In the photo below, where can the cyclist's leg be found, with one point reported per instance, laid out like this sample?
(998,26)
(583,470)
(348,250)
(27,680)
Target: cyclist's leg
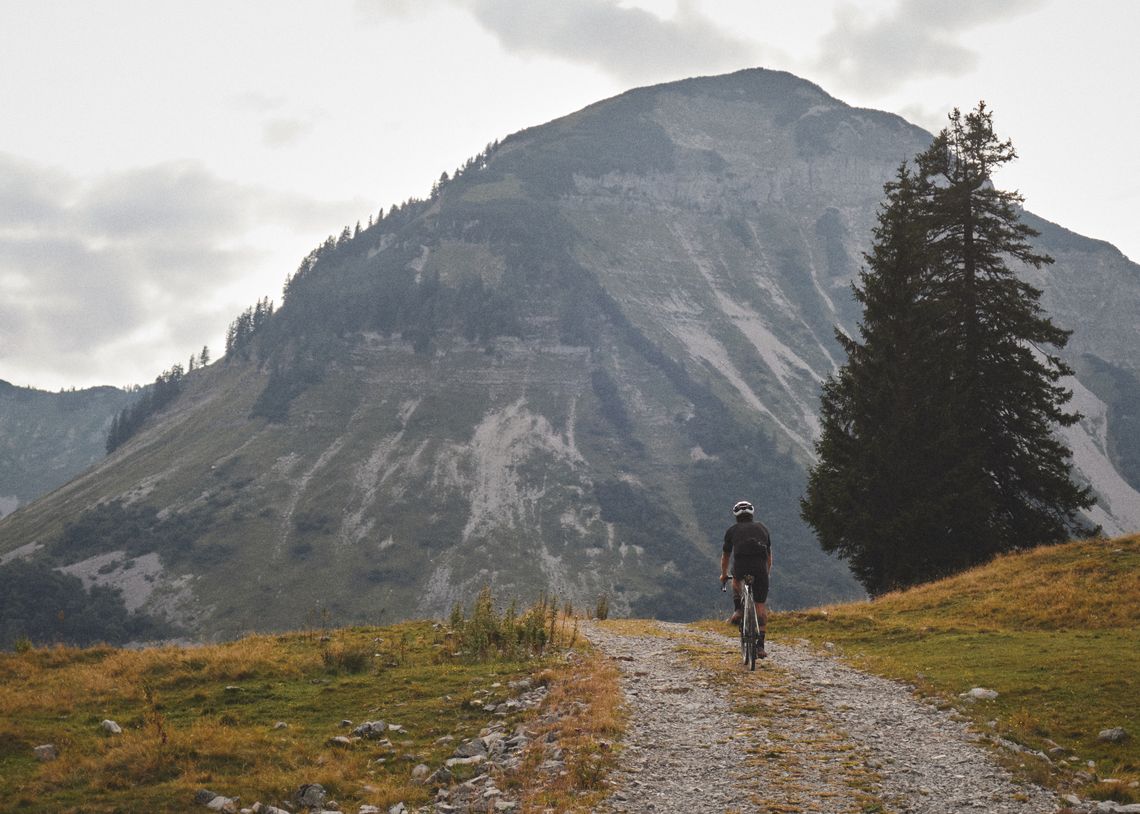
(737,613)
(760,589)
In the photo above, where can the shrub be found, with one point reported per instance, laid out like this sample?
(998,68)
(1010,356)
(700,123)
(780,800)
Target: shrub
(602,611)
(341,658)
(489,634)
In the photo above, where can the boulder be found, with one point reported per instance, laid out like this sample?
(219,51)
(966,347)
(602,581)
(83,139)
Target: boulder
(46,752)
(111,728)
(1115,735)
(370,729)
(311,795)
(420,772)
(470,748)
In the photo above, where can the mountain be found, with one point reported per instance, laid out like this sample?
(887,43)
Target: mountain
(46,439)
(556,374)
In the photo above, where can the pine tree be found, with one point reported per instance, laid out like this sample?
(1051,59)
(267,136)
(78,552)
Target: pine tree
(1006,391)
(937,448)
(879,453)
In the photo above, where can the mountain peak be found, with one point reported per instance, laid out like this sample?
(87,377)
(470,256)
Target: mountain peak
(557,374)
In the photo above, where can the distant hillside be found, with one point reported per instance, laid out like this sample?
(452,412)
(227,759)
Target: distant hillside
(46,438)
(556,374)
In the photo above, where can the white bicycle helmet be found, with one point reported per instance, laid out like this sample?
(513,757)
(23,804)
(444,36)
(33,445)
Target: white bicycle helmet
(742,507)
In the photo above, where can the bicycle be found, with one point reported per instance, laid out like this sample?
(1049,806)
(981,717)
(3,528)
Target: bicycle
(749,623)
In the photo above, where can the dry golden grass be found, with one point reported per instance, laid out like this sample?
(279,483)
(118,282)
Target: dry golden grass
(1087,584)
(203,717)
(69,677)
(587,694)
(632,627)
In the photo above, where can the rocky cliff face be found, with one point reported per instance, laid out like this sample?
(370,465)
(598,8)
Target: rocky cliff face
(556,375)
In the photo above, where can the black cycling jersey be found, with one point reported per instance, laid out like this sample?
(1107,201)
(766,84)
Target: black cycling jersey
(750,546)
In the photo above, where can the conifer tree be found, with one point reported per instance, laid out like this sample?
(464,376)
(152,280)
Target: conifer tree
(1005,380)
(937,448)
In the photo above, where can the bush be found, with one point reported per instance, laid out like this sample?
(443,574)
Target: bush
(341,658)
(602,611)
(489,634)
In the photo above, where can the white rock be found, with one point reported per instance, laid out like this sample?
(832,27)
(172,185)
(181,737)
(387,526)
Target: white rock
(261,808)
(1115,735)
(474,760)
(111,728)
(46,752)
(979,694)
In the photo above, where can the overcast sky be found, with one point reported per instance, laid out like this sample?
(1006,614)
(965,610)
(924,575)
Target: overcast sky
(165,164)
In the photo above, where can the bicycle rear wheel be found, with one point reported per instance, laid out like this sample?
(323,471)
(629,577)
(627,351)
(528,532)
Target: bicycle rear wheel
(750,636)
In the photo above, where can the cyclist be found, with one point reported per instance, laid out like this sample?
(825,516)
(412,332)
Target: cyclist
(750,546)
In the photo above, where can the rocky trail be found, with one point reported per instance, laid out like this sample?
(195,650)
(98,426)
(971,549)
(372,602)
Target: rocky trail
(803,733)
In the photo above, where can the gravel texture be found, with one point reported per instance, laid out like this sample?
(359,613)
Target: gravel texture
(819,736)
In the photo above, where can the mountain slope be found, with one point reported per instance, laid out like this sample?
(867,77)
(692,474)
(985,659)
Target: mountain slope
(556,374)
(47,438)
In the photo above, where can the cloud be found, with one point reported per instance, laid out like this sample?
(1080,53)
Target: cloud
(284,132)
(631,44)
(279,127)
(919,38)
(127,262)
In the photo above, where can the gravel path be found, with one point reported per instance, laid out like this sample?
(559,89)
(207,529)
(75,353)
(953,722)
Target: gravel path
(819,736)
(685,748)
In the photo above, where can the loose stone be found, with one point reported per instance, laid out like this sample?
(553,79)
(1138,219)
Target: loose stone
(979,694)
(1115,735)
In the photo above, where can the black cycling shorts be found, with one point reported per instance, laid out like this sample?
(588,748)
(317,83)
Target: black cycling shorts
(759,583)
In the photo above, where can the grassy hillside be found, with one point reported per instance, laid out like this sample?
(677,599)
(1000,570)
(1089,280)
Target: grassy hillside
(1055,631)
(207,717)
